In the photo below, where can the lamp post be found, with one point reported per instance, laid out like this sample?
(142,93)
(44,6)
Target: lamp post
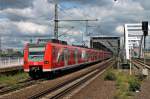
(145,33)
(131,60)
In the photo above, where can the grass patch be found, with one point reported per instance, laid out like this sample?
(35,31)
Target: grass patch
(123,85)
(126,84)
(110,75)
(13,79)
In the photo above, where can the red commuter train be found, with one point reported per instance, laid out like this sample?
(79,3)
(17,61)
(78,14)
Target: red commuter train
(51,57)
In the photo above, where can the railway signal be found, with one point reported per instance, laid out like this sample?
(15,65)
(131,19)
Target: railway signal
(145,33)
(145,28)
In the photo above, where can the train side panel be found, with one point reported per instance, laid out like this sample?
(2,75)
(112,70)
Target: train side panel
(51,57)
(47,66)
(26,65)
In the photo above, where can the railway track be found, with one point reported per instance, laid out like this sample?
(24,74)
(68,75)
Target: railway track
(63,88)
(46,87)
(139,63)
(28,82)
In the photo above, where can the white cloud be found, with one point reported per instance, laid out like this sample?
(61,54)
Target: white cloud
(72,40)
(74,33)
(119,29)
(128,5)
(29,27)
(24,42)
(26,12)
(6,26)
(35,19)
(41,9)
(96,12)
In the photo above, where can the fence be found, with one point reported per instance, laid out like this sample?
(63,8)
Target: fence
(10,62)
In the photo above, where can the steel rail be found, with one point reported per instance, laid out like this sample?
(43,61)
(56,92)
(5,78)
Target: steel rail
(45,92)
(141,63)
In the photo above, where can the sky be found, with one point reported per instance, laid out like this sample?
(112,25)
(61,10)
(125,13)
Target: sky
(22,20)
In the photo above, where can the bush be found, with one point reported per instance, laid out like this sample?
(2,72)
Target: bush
(121,95)
(110,76)
(134,85)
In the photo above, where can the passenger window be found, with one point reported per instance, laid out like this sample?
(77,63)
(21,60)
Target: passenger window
(66,54)
(83,54)
(80,55)
(60,56)
(76,55)
(54,52)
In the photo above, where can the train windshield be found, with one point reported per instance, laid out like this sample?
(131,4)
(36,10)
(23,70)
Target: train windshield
(36,53)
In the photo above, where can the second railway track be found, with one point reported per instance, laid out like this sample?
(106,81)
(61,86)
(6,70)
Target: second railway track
(19,85)
(141,63)
(43,89)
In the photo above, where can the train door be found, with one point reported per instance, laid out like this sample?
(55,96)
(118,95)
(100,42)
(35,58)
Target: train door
(76,56)
(66,58)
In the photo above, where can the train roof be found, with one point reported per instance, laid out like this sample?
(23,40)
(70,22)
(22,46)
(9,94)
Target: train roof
(59,43)
(70,46)
(52,40)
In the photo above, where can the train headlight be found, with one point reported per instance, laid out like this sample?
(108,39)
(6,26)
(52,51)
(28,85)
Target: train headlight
(46,62)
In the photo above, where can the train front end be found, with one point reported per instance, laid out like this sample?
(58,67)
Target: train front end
(37,59)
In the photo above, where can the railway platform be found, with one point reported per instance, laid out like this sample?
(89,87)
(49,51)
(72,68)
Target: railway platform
(10,64)
(10,69)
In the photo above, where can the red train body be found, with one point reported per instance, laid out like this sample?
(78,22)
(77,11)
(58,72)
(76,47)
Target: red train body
(49,57)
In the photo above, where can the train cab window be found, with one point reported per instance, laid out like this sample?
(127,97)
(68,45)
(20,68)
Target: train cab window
(36,53)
